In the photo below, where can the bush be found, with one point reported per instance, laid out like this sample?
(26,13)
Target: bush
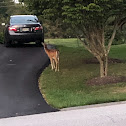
(1,37)
(118,42)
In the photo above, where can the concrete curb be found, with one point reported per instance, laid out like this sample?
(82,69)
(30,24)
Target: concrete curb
(110,114)
(93,106)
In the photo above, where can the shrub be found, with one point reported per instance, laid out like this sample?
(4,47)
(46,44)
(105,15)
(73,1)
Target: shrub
(1,37)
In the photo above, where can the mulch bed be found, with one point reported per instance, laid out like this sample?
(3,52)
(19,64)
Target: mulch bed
(106,80)
(95,61)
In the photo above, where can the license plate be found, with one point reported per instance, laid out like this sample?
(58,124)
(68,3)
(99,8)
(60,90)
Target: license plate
(25,29)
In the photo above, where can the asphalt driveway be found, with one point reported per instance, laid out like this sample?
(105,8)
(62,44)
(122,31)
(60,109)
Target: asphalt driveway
(20,68)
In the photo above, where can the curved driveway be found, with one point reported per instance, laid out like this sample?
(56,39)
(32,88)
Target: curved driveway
(20,68)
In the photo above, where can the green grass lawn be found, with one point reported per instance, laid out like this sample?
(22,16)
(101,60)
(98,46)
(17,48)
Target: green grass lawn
(68,87)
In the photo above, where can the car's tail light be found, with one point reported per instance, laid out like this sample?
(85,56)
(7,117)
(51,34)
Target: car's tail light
(38,28)
(12,29)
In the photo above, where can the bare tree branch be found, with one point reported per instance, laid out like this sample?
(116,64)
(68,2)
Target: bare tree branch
(90,50)
(112,38)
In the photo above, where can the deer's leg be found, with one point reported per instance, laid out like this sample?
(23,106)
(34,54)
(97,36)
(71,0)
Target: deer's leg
(54,63)
(51,60)
(58,63)
(53,67)
(57,58)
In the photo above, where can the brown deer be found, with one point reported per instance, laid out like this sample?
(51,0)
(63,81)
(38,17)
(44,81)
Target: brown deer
(53,55)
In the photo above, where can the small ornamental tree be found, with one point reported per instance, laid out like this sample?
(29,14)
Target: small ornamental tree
(89,19)
(92,18)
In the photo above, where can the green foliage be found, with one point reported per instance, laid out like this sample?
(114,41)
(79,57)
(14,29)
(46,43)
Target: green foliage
(119,38)
(1,37)
(90,20)
(83,15)
(47,11)
(92,13)
(7,8)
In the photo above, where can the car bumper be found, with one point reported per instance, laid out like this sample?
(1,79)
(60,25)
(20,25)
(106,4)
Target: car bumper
(26,37)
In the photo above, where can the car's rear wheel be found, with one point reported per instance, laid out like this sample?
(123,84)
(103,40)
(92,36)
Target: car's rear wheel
(38,43)
(7,43)
(43,37)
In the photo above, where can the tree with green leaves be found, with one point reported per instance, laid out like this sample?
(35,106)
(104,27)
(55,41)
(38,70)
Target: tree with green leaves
(89,19)
(93,18)
(8,8)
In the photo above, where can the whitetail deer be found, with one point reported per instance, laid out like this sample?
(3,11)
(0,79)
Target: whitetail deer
(53,55)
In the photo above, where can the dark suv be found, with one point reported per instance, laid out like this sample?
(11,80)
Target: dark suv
(23,29)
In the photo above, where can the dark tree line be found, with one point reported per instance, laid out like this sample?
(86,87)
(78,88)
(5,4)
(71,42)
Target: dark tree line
(8,8)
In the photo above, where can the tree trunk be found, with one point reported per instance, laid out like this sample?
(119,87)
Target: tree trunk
(94,42)
(103,66)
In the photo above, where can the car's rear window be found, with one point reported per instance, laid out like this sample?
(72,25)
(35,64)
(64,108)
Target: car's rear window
(23,20)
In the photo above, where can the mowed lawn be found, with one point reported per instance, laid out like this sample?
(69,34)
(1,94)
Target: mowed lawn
(68,87)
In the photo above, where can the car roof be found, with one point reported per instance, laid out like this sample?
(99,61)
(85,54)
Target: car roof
(23,15)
